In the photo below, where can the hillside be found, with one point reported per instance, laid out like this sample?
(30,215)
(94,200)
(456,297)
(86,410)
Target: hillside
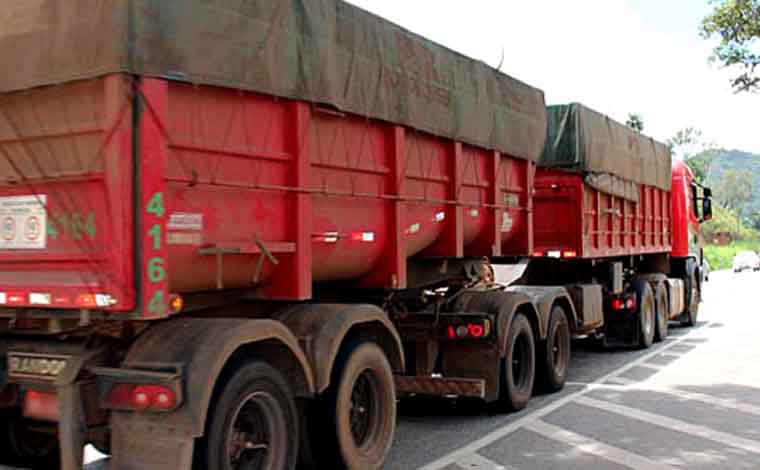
(739,161)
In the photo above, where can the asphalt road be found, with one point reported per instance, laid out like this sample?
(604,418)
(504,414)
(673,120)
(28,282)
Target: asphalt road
(690,402)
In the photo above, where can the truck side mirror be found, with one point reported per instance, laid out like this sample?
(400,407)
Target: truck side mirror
(706,192)
(706,208)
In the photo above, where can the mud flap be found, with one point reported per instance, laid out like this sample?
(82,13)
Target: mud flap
(139,442)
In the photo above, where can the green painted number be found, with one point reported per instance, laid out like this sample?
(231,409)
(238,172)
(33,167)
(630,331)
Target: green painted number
(156,271)
(52,232)
(155,233)
(89,226)
(156,205)
(72,224)
(157,305)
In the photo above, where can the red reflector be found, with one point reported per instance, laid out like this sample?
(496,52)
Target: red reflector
(15,298)
(42,406)
(618,304)
(141,397)
(538,254)
(451,333)
(86,300)
(630,304)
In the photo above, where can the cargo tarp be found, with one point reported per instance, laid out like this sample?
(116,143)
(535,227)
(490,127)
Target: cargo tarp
(613,157)
(323,51)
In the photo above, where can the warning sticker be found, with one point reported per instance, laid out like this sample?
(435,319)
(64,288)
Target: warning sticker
(186,221)
(23,222)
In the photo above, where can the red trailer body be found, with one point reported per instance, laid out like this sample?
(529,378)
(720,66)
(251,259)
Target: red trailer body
(237,190)
(574,220)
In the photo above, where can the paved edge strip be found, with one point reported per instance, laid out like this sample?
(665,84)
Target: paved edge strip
(478,462)
(594,447)
(473,447)
(667,422)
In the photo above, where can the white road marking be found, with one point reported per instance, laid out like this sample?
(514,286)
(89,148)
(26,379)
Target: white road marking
(627,385)
(504,431)
(478,462)
(623,381)
(651,366)
(594,447)
(674,424)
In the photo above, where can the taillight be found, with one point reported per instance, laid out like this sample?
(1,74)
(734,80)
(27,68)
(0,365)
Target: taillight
(624,304)
(42,406)
(469,330)
(141,397)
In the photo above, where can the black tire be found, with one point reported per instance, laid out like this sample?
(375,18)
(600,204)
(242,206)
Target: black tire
(256,403)
(22,447)
(662,308)
(518,367)
(645,313)
(689,317)
(352,424)
(554,355)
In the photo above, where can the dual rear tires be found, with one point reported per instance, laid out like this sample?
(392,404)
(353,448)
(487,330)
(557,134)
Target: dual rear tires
(352,424)
(528,365)
(254,423)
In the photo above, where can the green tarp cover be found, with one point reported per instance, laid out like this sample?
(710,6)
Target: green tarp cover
(613,157)
(323,51)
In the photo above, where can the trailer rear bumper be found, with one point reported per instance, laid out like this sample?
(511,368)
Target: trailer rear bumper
(439,386)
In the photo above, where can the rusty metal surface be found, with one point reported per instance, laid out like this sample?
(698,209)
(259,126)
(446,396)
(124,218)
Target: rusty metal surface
(440,386)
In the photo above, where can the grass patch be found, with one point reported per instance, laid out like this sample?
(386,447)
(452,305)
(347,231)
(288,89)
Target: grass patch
(721,257)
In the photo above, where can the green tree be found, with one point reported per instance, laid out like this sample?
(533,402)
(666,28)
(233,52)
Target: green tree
(635,122)
(689,145)
(734,191)
(737,24)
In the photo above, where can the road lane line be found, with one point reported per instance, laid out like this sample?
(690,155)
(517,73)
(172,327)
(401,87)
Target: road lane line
(674,424)
(594,447)
(652,366)
(499,433)
(622,381)
(626,385)
(478,462)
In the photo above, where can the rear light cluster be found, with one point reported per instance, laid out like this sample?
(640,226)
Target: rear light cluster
(56,300)
(473,330)
(141,397)
(624,304)
(566,254)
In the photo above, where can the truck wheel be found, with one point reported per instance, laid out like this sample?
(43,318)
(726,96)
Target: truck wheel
(356,417)
(645,313)
(663,312)
(518,367)
(253,424)
(555,355)
(24,447)
(689,317)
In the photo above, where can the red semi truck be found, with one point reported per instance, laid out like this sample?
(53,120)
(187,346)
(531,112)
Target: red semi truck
(213,263)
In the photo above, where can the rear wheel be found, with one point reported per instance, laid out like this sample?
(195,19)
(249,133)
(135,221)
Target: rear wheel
(689,317)
(663,312)
(518,367)
(646,314)
(21,445)
(253,424)
(352,425)
(555,355)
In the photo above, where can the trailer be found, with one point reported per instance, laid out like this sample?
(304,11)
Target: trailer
(235,244)
(619,226)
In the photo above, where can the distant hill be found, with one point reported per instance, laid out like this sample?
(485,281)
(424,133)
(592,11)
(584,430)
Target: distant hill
(739,161)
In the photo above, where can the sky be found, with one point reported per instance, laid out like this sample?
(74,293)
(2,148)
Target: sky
(615,56)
